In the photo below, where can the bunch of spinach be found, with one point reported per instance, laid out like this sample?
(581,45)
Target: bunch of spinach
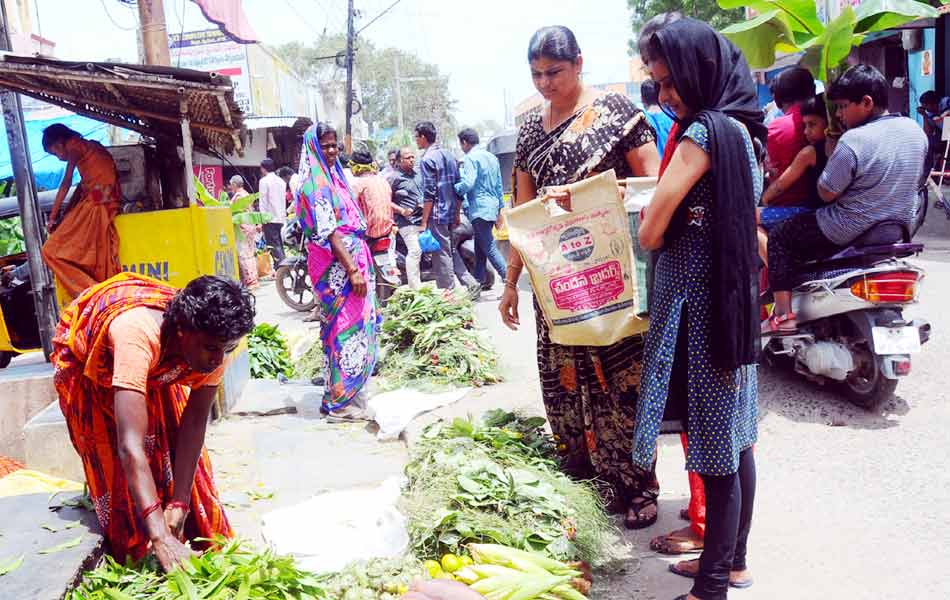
(429,337)
(232,572)
(268,353)
(497,481)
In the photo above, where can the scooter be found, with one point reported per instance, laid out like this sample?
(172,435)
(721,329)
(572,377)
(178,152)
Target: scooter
(291,275)
(849,310)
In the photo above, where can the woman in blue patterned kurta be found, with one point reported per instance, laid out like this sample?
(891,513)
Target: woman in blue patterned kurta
(700,353)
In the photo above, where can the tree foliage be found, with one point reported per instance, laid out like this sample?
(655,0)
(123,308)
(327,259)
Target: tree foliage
(704,10)
(427,98)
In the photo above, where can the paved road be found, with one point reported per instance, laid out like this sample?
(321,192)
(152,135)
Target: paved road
(850,503)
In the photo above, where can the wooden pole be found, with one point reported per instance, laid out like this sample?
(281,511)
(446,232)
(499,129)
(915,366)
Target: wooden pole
(187,149)
(44,294)
(154,35)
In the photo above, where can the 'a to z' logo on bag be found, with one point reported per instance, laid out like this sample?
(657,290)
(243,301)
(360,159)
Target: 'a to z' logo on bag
(576,244)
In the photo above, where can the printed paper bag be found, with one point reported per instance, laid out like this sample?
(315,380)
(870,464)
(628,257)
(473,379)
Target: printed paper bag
(580,263)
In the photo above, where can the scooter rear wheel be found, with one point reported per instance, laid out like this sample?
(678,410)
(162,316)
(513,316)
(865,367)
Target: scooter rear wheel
(867,386)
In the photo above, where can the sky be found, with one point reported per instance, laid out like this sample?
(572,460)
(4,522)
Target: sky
(481,46)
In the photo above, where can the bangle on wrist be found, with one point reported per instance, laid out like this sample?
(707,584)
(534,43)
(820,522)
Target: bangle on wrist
(150,509)
(179,504)
(511,284)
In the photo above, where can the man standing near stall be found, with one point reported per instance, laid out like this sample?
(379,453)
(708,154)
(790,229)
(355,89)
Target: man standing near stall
(273,202)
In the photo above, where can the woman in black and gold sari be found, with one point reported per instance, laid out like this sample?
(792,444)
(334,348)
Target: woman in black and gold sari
(590,393)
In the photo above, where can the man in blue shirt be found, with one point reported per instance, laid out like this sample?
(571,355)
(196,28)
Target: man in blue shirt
(441,209)
(480,184)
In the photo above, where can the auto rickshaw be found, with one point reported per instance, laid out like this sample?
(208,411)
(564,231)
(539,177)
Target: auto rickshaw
(19,331)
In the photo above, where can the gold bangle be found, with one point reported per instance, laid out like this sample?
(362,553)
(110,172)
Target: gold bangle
(511,285)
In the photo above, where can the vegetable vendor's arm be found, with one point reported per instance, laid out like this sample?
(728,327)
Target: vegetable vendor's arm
(191,438)
(131,416)
(690,162)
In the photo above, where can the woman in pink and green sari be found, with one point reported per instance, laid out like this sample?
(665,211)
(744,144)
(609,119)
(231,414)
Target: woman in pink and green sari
(341,269)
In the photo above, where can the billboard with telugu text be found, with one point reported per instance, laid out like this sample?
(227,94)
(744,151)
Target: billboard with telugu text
(211,51)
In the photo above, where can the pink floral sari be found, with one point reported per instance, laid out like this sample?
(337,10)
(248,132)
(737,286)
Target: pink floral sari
(349,323)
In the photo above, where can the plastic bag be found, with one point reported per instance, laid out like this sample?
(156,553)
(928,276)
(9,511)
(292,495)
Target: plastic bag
(581,263)
(428,243)
(639,193)
(331,530)
(393,411)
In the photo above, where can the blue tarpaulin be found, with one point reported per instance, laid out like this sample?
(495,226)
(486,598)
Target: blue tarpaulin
(47,168)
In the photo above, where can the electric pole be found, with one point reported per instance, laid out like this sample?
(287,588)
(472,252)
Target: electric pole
(154,35)
(44,294)
(350,35)
(399,117)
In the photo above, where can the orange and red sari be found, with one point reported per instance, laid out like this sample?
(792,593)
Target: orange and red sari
(83,361)
(83,250)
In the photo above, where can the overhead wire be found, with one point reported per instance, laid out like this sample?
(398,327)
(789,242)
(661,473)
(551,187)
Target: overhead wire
(109,15)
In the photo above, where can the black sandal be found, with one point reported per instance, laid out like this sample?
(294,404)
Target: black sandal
(637,505)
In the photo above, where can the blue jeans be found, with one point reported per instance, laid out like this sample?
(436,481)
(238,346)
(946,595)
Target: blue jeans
(486,248)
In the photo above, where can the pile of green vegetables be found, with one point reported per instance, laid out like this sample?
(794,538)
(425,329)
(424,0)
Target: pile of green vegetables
(376,579)
(429,338)
(268,353)
(497,481)
(233,572)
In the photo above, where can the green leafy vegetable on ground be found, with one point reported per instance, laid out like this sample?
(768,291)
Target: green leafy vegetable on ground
(311,362)
(64,546)
(497,481)
(429,338)
(234,572)
(267,350)
(10,566)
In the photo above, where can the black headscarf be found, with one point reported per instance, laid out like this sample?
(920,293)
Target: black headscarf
(713,78)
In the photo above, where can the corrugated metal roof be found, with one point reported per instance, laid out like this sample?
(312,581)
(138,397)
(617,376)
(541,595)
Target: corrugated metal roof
(143,98)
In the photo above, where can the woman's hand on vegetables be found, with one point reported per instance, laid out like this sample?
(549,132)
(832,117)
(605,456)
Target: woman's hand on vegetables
(441,589)
(170,552)
(175,519)
(508,307)
(358,282)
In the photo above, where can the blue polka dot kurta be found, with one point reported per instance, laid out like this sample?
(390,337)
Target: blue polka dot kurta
(721,408)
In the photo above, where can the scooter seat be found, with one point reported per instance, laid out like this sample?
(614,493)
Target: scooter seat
(888,239)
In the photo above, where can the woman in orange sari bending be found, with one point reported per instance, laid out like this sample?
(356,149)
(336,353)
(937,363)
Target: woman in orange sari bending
(137,367)
(83,249)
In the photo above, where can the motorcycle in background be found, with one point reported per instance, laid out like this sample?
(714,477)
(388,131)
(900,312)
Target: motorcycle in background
(292,276)
(849,309)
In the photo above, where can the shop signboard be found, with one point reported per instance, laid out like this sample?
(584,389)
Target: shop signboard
(211,51)
(212,177)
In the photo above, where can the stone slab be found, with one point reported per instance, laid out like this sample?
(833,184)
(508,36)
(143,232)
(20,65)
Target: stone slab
(48,447)
(45,576)
(27,389)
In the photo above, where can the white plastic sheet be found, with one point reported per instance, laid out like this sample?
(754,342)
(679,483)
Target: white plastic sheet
(393,411)
(334,529)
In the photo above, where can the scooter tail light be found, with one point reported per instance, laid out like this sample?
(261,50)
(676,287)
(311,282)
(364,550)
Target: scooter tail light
(887,288)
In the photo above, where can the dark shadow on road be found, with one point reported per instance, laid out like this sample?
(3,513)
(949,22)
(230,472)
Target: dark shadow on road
(791,396)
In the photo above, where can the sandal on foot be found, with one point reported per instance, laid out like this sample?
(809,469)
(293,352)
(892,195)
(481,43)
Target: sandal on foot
(774,325)
(348,416)
(739,585)
(637,506)
(673,545)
